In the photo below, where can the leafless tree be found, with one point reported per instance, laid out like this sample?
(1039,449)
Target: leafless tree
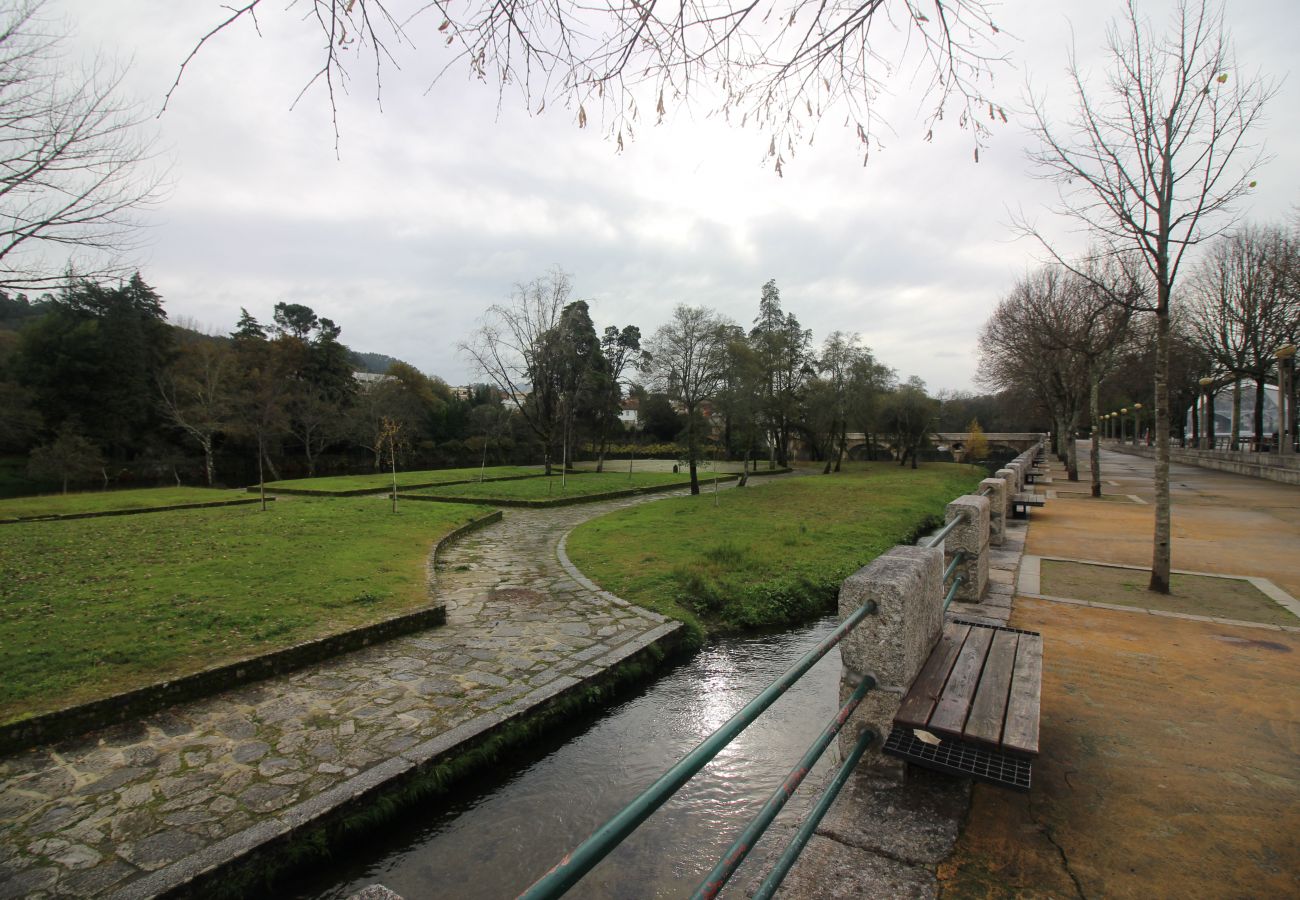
(1152,161)
(76,163)
(197,391)
(780,70)
(1055,336)
(1242,308)
(510,348)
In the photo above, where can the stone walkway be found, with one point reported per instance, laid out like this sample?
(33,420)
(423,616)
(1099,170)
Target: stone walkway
(136,810)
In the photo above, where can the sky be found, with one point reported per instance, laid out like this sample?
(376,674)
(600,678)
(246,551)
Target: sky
(439,201)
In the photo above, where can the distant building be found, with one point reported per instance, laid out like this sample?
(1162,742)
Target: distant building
(369,378)
(630,415)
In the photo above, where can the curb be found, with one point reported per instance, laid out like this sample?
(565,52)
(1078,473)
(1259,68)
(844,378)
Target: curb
(117,708)
(385,489)
(559,501)
(191,875)
(63,517)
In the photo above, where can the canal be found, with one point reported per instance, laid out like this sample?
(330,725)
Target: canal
(492,839)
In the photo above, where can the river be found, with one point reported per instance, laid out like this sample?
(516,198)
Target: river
(491,839)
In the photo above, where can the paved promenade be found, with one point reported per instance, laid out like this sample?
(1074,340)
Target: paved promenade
(1170,758)
(1170,761)
(135,810)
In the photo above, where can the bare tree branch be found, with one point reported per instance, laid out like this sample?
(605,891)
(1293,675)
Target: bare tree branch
(781,71)
(76,163)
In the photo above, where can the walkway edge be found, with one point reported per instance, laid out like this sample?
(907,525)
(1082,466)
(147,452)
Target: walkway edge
(117,708)
(332,807)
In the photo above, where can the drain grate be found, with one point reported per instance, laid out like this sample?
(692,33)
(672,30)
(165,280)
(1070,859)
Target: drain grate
(960,758)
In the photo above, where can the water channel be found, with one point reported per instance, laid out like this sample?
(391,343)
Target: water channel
(492,840)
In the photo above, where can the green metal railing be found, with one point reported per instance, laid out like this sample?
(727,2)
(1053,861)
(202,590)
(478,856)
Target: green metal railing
(595,848)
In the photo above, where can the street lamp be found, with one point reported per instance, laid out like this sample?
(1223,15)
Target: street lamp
(1286,398)
(1123,411)
(1207,414)
(1137,412)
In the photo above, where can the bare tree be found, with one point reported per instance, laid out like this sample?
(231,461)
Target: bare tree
(197,392)
(779,70)
(1242,309)
(75,160)
(1056,335)
(688,361)
(511,349)
(1151,162)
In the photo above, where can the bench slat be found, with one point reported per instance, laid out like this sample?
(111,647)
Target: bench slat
(989,709)
(919,703)
(949,716)
(1021,731)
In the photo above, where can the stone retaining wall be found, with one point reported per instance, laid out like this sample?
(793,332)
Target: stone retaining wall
(84,717)
(1271,466)
(560,501)
(906,586)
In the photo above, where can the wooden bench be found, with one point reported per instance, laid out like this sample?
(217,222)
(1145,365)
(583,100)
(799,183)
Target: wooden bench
(1038,476)
(978,696)
(1020,504)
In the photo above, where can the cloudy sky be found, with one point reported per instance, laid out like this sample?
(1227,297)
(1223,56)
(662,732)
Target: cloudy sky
(439,201)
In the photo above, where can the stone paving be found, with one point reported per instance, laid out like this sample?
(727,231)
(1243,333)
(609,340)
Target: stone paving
(128,810)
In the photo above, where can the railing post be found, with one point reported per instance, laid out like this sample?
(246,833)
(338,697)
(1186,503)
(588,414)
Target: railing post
(971,536)
(892,645)
(997,507)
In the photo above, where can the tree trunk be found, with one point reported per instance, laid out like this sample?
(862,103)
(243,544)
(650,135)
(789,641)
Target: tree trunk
(261,478)
(844,439)
(209,467)
(1094,449)
(1259,413)
(270,463)
(1160,552)
(1236,415)
(1072,450)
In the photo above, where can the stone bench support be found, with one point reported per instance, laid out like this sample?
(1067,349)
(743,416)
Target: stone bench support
(998,497)
(891,645)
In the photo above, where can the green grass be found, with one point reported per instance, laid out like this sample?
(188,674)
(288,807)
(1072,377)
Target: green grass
(107,501)
(767,555)
(380,481)
(588,484)
(91,607)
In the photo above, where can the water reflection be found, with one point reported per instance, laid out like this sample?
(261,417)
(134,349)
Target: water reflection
(495,841)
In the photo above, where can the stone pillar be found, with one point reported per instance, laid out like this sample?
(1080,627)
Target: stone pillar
(997,509)
(892,644)
(1017,468)
(972,536)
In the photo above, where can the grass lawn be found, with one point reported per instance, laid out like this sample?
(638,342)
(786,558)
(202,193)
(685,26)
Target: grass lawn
(1200,595)
(91,607)
(588,484)
(382,481)
(766,555)
(106,501)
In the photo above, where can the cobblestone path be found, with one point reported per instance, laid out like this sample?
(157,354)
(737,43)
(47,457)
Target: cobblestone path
(124,811)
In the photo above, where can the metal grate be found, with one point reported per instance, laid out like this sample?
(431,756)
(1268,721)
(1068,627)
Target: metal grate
(960,758)
(996,627)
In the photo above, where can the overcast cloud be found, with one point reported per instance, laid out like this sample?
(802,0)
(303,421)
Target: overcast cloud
(438,204)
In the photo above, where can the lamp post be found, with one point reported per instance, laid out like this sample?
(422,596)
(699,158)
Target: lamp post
(1137,412)
(1286,398)
(1123,411)
(1207,414)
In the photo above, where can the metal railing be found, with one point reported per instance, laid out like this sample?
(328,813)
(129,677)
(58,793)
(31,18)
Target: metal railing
(595,848)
